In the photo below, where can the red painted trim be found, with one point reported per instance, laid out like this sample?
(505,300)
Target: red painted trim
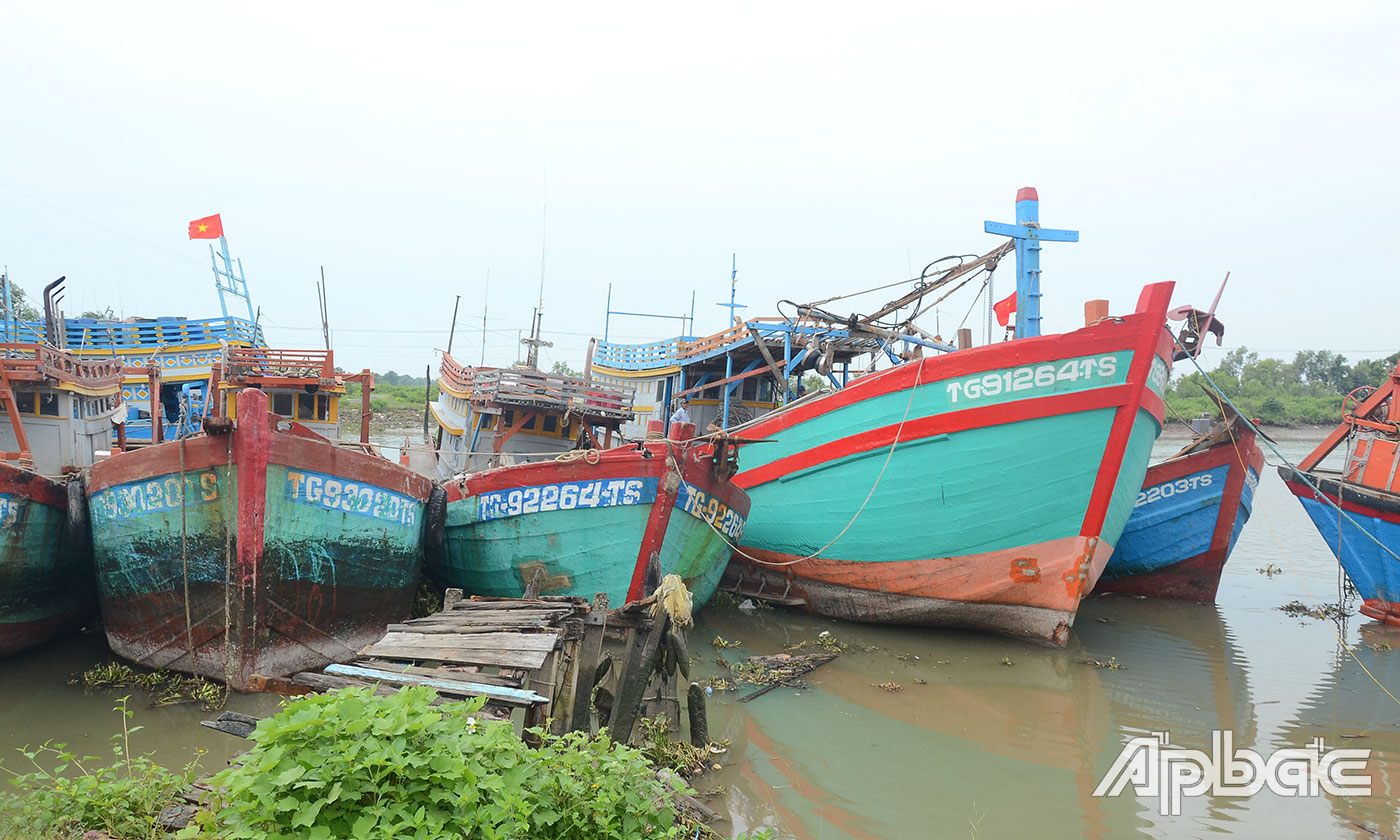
(201,453)
(252,440)
(657,523)
(1150,319)
(1198,577)
(322,456)
(32,486)
(938,424)
(1027,194)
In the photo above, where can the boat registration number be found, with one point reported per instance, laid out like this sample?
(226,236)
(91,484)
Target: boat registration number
(1167,490)
(566,495)
(124,501)
(10,510)
(704,506)
(331,493)
(1067,375)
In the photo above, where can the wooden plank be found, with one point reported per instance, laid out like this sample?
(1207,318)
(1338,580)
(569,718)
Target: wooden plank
(473,675)
(589,651)
(548,602)
(474,616)
(527,659)
(466,629)
(513,696)
(474,641)
(632,681)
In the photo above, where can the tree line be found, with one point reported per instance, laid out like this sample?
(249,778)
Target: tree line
(1305,391)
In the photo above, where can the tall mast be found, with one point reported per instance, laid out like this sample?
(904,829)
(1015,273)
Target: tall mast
(1028,234)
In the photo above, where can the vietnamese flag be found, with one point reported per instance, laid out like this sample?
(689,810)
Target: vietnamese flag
(209,227)
(1003,308)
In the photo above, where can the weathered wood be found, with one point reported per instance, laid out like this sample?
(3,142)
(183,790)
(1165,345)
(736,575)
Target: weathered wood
(468,628)
(502,694)
(275,685)
(447,672)
(561,708)
(699,716)
(232,723)
(451,598)
(632,682)
(543,601)
(526,659)
(816,662)
(475,641)
(594,625)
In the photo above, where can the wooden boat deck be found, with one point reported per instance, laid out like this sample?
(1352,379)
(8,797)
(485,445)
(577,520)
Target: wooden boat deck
(500,649)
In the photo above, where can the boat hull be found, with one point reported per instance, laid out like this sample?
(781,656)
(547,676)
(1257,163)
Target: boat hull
(592,524)
(45,584)
(257,552)
(1185,522)
(1364,541)
(983,489)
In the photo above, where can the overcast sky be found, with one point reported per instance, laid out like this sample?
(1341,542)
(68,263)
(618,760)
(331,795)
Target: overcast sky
(411,149)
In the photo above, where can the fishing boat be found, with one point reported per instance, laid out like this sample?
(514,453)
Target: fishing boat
(1357,508)
(180,351)
(984,487)
(591,521)
(258,546)
(490,416)
(61,411)
(539,497)
(1187,516)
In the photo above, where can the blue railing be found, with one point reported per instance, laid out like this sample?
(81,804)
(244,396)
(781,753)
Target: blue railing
(90,333)
(657,354)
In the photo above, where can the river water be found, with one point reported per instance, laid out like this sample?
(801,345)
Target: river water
(988,737)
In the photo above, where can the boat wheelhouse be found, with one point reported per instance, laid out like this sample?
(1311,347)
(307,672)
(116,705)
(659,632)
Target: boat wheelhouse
(490,417)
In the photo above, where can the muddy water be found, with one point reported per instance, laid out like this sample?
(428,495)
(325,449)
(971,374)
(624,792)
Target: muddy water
(987,738)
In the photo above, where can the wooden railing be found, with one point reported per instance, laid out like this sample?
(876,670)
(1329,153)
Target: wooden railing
(535,389)
(37,363)
(267,364)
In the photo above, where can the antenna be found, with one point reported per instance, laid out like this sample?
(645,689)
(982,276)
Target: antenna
(325,315)
(452,331)
(733,290)
(485,302)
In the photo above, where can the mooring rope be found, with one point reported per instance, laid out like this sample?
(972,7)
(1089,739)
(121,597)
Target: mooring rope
(1283,551)
(185,558)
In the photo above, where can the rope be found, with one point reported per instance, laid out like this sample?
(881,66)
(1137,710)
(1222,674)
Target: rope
(1283,552)
(868,496)
(591,456)
(185,560)
(228,565)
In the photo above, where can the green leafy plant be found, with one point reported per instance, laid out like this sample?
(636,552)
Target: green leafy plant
(66,795)
(352,764)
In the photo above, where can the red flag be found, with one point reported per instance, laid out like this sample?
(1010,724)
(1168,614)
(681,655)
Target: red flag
(1003,308)
(209,227)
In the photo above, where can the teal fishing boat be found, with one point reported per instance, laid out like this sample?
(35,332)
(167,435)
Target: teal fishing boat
(60,410)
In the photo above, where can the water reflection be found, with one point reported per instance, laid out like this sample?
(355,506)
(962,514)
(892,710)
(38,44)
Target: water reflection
(1010,737)
(1347,708)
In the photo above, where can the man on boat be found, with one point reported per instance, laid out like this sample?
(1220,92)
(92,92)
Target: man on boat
(681,415)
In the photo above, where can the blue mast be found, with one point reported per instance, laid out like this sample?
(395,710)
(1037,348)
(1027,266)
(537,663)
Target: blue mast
(1028,235)
(226,281)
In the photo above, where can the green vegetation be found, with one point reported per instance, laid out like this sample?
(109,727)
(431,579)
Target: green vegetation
(354,765)
(66,795)
(1305,391)
(351,764)
(164,687)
